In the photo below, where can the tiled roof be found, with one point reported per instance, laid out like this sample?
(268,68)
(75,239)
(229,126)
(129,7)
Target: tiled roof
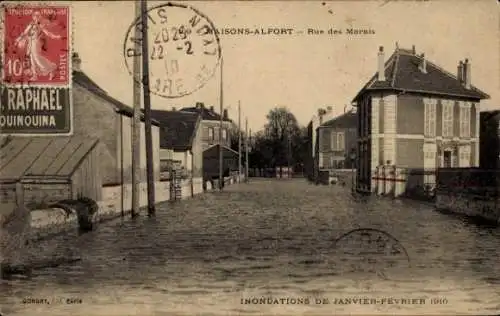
(402,73)
(83,80)
(206,113)
(346,120)
(48,157)
(178,129)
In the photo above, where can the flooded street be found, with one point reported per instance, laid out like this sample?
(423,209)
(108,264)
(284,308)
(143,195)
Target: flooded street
(242,251)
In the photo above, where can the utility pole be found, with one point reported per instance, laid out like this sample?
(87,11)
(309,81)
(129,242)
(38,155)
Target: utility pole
(239,142)
(289,153)
(221,99)
(136,122)
(246,149)
(147,109)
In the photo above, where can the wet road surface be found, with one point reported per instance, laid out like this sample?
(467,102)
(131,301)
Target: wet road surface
(273,247)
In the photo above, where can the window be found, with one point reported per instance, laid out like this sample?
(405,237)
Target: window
(465,120)
(224,134)
(333,140)
(430,118)
(429,155)
(210,133)
(447,118)
(337,142)
(340,141)
(464,157)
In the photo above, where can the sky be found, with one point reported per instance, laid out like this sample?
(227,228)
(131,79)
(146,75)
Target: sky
(300,71)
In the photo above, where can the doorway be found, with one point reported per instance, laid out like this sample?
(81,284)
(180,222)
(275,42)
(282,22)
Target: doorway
(447,159)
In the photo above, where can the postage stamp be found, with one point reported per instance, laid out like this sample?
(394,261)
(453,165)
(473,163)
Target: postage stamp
(36,70)
(184,49)
(36,45)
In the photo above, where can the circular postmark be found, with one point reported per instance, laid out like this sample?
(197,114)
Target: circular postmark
(184,49)
(369,250)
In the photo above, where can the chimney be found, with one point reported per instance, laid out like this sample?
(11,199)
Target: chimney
(212,109)
(467,73)
(423,64)
(77,62)
(413,50)
(328,108)
(460,72)
(200,105)
(225,116)
(381,64)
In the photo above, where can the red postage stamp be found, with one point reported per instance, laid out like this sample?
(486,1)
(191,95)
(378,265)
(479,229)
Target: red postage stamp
(36,45)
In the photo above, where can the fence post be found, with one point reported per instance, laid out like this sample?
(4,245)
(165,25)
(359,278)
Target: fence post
(383,180)
(398,182)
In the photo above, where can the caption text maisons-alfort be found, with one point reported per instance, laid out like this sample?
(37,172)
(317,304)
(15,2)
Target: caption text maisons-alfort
(292,31)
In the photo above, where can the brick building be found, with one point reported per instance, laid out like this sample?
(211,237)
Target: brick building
(414,114)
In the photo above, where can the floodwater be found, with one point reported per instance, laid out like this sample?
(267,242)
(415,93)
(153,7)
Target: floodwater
(272,247)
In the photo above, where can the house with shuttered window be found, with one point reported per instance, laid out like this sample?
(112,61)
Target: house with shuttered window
(336,139)
(414,114)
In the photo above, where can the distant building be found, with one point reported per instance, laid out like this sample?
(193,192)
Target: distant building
(180,141)
(211,162)
(337,139)
(210,125)
(489,140)
(311,163)
(414,114)
(210,131)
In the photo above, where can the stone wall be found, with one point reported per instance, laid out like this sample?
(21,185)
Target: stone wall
(49,222)
(473,206)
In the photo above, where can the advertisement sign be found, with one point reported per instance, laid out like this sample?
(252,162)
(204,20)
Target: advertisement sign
(35,90)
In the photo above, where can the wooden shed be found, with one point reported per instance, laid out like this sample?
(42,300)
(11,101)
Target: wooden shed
(51,168)
(211,162)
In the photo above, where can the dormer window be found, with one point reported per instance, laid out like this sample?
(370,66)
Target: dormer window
(423,64)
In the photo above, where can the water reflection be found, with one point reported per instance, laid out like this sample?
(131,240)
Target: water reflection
(279,240)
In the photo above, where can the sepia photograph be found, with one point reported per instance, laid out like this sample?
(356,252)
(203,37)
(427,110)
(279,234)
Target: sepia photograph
(248,157)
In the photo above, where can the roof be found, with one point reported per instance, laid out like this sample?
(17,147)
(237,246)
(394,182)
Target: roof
(207,114)
(213,151)
(346,120)
(178,129)
(486,115)
(402,73)
(45,157)
(86,82)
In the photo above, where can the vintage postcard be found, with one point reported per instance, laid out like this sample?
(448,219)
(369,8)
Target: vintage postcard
(249,157)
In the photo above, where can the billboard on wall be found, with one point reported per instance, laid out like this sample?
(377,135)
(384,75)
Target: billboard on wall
(36,77)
